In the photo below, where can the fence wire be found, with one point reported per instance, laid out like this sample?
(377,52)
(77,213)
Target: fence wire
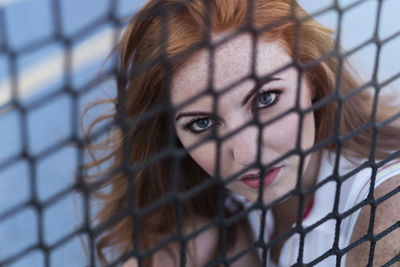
(33,155)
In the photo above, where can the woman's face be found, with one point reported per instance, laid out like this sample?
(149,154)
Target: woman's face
(238,106)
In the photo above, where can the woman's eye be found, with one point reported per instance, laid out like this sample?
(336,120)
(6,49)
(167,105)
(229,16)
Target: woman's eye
(199,125)
(265,99)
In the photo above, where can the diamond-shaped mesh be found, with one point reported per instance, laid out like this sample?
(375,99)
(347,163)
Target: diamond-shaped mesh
(44,160)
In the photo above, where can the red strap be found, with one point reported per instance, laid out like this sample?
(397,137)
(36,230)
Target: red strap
(309,208)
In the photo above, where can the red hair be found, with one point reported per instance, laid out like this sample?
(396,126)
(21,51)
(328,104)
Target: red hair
(158,40)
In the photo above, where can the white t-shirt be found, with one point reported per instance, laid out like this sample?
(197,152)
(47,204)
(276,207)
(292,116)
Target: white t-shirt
(320,239)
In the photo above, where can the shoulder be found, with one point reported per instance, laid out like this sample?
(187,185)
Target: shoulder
(131,263)
(386,215)
(204,246)
(201,247)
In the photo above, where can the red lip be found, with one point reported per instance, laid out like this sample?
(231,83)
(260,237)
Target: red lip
(253,180)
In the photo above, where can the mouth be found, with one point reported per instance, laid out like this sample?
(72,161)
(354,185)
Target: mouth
(253,180)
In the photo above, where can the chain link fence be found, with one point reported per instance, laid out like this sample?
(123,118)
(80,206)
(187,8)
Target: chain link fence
(46,79)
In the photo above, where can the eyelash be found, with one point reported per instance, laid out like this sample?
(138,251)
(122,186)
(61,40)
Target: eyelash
(214,121)
(189,126)
(276,92)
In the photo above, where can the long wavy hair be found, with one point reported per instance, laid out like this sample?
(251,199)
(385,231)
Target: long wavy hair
(142,148)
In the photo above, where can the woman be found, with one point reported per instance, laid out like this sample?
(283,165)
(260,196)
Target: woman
(236,94)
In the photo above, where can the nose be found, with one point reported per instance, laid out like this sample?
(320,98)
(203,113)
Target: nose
(244,145)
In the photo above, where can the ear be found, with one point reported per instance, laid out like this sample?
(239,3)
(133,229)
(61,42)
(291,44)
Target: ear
(313,88)
(313,93)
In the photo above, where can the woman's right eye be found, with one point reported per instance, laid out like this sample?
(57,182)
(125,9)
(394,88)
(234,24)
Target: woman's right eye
(199,125)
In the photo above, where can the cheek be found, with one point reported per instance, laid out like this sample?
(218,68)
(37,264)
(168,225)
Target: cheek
(281,136)
(308,134)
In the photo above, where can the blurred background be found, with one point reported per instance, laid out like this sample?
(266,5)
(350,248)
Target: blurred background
(51,54)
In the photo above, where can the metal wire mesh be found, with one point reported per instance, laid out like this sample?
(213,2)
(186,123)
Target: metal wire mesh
(34,156)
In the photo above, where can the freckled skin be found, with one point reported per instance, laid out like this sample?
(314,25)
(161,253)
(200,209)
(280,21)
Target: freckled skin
(232,62)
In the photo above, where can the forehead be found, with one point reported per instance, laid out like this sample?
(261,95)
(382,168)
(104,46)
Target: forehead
(231,61)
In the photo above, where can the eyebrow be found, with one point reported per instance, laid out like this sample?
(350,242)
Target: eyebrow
(245,100)
(256,88)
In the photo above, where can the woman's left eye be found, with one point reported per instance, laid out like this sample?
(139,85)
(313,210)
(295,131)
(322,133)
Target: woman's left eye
(199,125)
(266,99)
